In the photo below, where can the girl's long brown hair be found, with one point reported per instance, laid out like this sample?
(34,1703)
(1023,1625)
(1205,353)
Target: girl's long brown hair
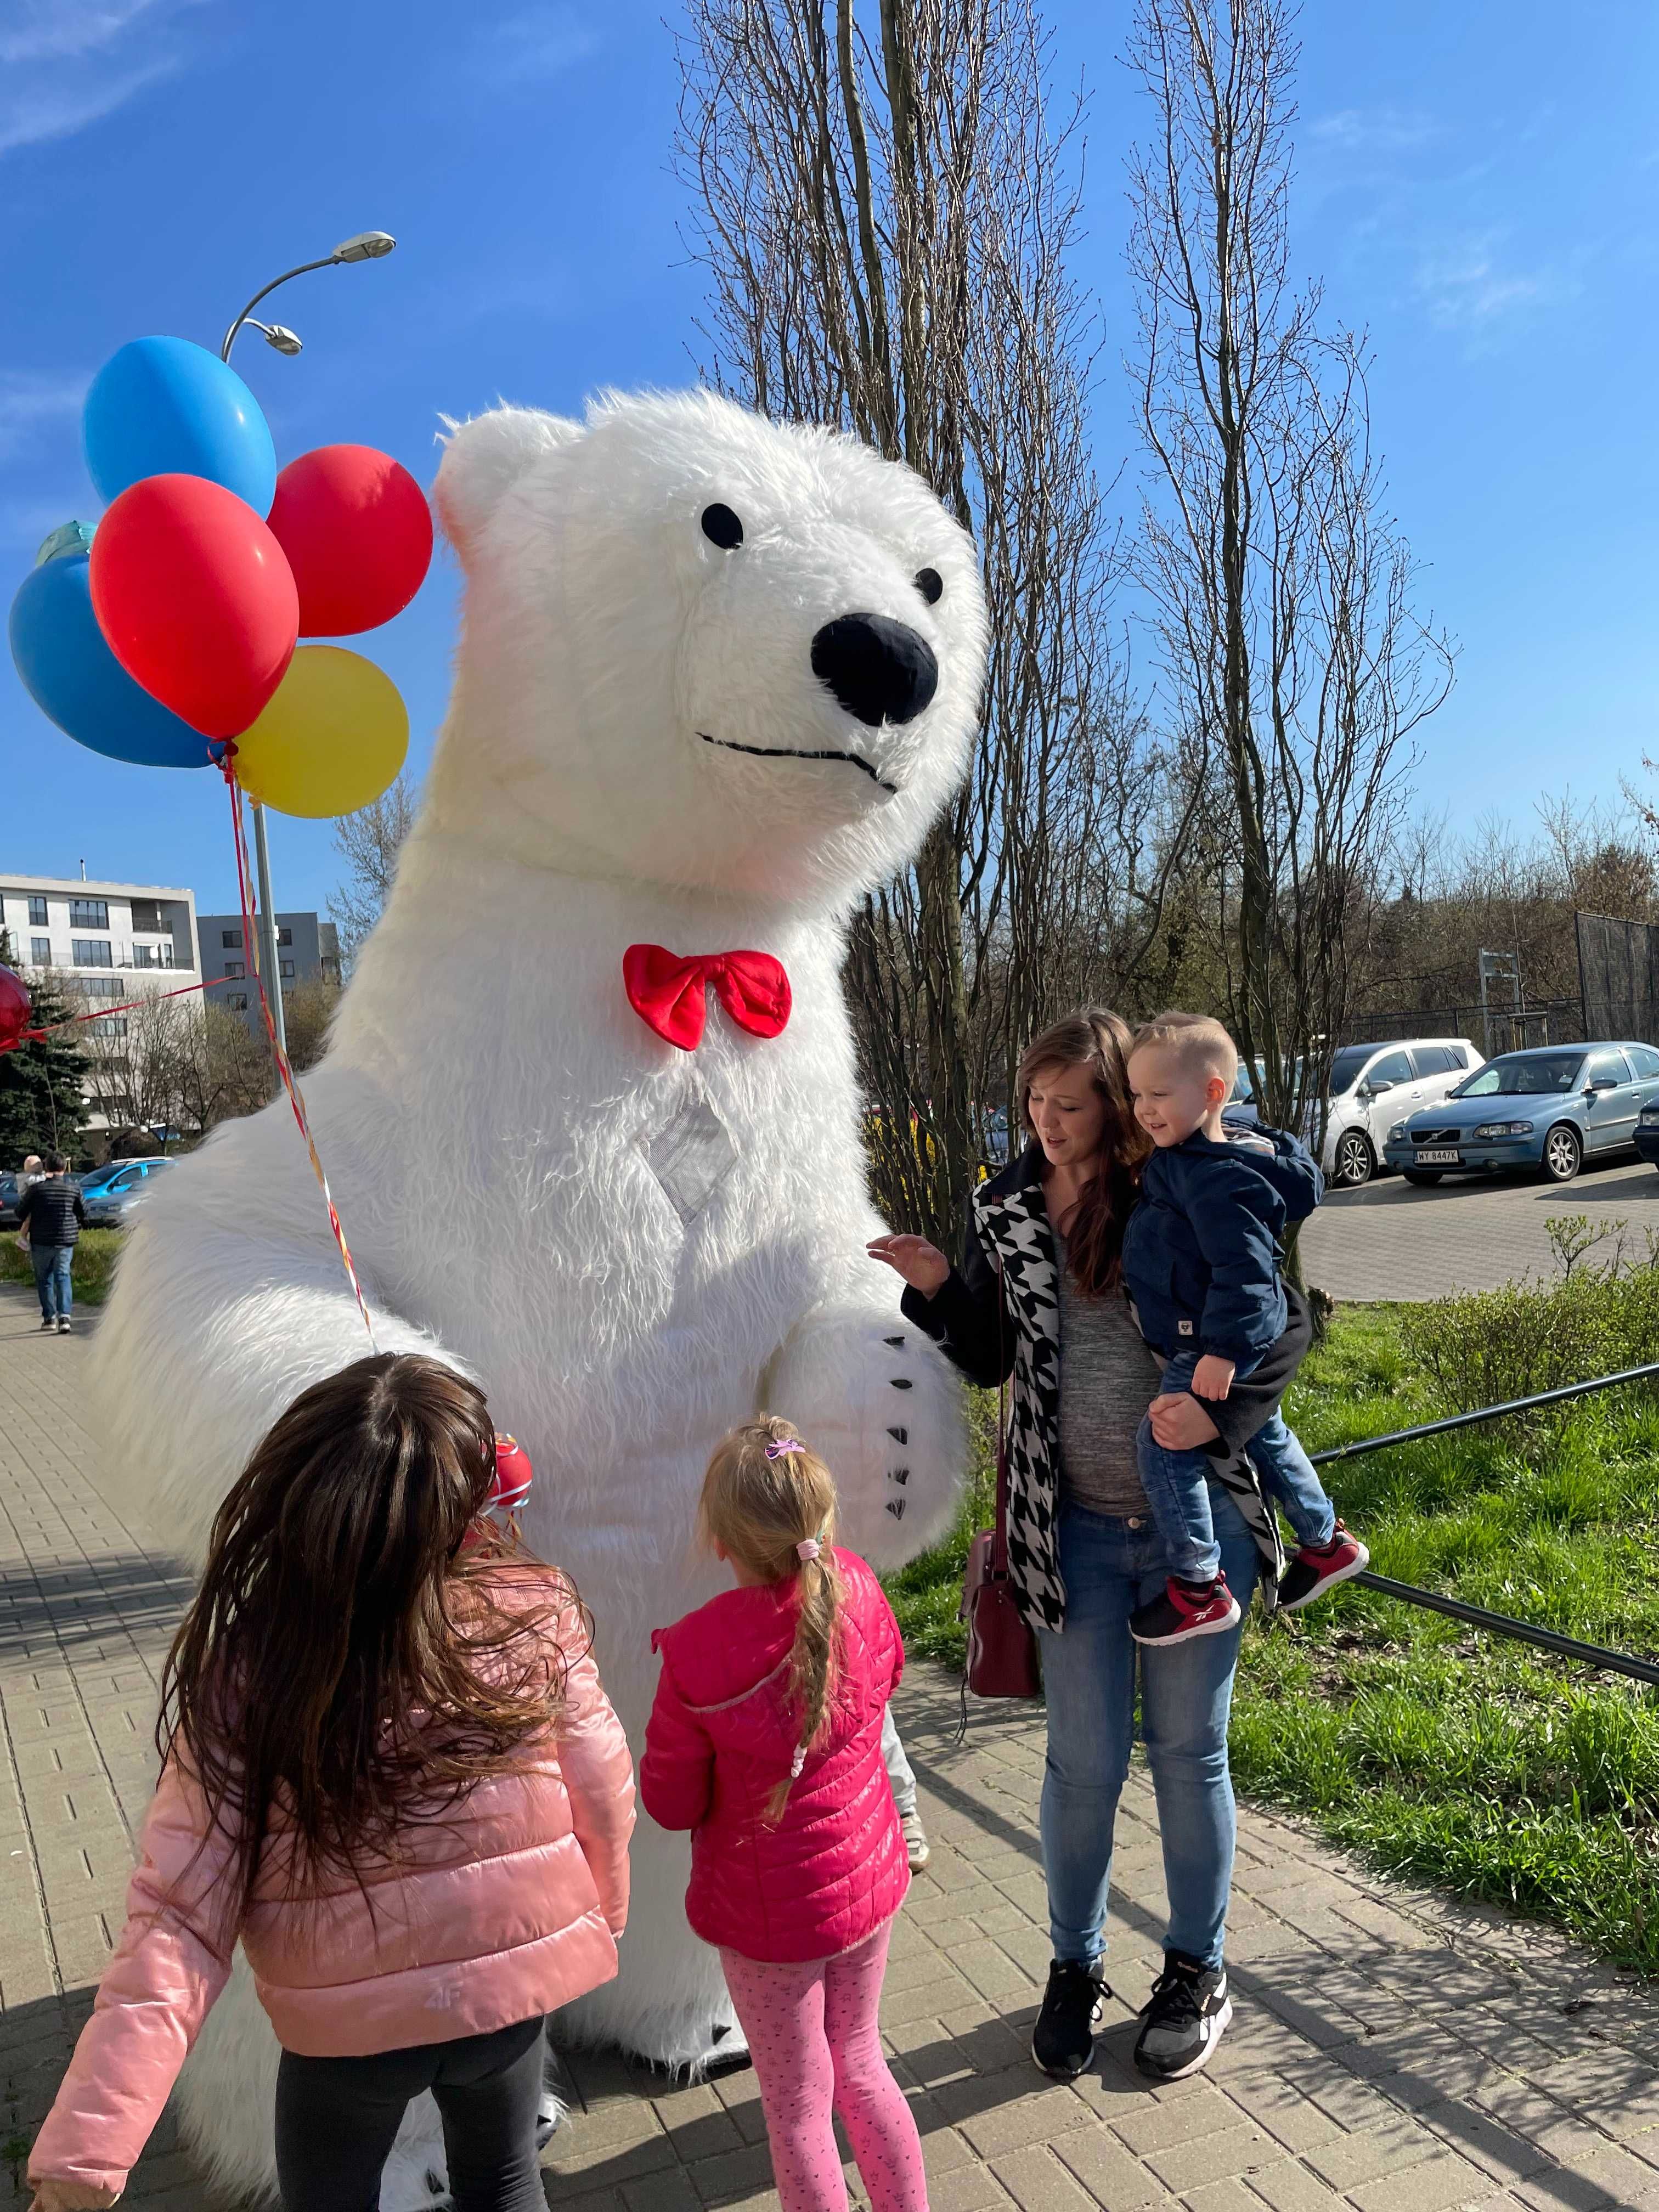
(1099,1040)
(350,1654)
(758,1510)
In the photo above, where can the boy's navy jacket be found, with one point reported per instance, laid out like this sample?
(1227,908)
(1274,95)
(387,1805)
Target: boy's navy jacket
(1201,1250)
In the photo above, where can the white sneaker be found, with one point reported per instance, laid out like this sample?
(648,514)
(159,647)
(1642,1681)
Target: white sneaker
(63,1324)
(915,1841)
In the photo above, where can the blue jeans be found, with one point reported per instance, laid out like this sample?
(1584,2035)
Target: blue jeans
(1111,1567)
(52,1263)
(1177,1488)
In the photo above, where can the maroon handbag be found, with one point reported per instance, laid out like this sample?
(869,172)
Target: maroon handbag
(1002,1650)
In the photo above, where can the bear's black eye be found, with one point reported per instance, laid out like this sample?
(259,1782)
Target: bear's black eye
(931,584)
(721,527)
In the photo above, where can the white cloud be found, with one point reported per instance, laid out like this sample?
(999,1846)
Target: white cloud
(64,64)
(535,45)
(1373,130)
(1466,285)
(33,404)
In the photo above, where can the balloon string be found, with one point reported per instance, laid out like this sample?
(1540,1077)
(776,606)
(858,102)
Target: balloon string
(251,937)
(103,1013)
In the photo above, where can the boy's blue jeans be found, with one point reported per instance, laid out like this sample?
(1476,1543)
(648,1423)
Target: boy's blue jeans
(1177,1486)
(54,1284)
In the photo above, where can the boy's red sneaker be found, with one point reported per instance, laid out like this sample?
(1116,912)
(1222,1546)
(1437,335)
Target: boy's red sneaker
(1183,1610)
(1319,1567)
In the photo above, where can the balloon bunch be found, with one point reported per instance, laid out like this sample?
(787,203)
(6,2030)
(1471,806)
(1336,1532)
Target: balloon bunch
(173,625)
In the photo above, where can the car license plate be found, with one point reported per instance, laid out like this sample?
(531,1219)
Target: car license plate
(1439,1159)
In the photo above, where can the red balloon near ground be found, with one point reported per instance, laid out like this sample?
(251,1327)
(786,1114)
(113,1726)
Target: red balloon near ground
(357,532)
(196,600)
(16,1008)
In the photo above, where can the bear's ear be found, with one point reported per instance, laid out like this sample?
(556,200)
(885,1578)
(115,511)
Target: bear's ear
(483,458)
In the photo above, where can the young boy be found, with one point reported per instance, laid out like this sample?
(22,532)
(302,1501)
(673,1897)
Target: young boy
(1200,1260)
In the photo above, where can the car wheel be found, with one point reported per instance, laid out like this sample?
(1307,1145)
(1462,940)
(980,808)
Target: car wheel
(1356,1162)
(1563,1155)
(1421,1175)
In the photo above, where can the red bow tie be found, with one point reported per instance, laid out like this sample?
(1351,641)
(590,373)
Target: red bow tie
(667,991)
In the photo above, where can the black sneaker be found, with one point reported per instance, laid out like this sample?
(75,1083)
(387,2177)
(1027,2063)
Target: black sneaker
(1063,2041)
(1183,2021)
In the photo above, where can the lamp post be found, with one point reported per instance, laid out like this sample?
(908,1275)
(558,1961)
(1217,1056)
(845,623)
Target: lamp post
(364,245)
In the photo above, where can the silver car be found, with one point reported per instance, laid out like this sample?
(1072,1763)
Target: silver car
(1372,1086)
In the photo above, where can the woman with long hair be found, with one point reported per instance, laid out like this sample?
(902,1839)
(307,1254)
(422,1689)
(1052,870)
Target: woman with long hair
(389,1769)
(1039,1296)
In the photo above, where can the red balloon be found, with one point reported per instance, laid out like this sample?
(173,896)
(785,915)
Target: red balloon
(196,600)
(15,1007)
(357,532)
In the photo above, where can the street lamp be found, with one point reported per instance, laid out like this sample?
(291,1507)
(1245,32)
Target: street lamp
(363,246)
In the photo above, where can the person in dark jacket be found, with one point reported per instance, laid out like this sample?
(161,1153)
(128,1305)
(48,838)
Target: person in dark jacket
(1201,1260)
(1039,1297)
(51,1211)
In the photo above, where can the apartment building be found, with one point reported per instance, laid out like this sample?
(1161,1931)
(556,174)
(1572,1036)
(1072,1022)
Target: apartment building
(105,939)
(307,950)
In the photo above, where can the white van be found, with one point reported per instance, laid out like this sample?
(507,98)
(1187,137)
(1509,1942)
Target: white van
(1372,1087)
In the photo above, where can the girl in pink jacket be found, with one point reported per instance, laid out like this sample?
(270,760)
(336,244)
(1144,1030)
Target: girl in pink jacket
(389,1771)
(765,1741)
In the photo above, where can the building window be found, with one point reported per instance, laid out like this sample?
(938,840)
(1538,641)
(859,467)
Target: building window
(231,939)
(40,951)
(99,986)
(91,952)
(235,967)
(89,914)
(237,1001)
(285,937)
(152,956)
(147,916)
(287,968)
(110,1025)
(36,913)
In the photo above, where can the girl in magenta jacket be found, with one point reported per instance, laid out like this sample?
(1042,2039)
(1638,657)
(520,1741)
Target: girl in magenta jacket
(765,1741)
(389,1771)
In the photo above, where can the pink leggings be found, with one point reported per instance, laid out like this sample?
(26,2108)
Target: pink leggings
(815,2043)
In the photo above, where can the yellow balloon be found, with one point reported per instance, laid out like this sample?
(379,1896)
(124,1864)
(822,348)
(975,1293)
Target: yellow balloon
(330,739)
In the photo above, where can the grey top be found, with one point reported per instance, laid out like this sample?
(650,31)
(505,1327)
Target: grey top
(1108,1378)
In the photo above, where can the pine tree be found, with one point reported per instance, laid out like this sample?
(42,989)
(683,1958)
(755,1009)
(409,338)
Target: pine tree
(42,1103)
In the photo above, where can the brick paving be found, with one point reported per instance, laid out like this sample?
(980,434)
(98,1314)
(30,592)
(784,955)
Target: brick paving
(1391,2052)
(1393,1240)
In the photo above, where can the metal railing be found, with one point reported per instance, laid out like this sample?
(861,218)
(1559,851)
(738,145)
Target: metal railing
(1477,1616)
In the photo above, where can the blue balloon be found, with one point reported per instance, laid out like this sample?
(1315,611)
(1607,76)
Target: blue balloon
(72,675)
(165,407)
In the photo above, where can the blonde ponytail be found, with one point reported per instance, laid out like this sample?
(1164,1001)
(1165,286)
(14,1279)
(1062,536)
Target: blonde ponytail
(770,1503)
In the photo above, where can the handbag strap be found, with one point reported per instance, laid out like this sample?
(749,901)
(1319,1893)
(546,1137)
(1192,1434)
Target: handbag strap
(1000,1529)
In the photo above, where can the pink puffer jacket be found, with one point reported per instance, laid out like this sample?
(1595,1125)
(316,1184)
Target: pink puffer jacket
(722,1737)
(508,1906)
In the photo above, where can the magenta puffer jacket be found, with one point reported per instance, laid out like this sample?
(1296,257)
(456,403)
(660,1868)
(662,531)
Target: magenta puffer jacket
(722,1737)
(508,1906)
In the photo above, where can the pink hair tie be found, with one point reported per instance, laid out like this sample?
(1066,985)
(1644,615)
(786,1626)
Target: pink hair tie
(809,1548)
(783,1445)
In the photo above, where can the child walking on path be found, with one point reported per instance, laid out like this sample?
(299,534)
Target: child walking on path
(765,1741)
(390,1769)
(1201,1261)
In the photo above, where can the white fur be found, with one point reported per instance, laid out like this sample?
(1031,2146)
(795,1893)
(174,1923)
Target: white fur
(489,1091)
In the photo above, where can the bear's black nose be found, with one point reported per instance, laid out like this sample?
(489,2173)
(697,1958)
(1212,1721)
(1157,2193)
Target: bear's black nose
(879,670)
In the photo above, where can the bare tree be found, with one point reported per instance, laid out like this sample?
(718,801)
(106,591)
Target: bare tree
(368,842)
(1297,670)
(886,205)
(175,1063)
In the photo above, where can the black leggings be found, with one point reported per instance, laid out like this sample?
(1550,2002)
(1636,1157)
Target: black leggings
(337,2120)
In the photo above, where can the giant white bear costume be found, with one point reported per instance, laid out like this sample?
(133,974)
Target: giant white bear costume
(715,678)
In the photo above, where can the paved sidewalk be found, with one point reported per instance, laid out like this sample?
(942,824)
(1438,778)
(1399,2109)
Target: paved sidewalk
(1395,1240)
(1391,2052)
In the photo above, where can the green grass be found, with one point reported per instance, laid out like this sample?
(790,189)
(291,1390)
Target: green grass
(94,1263)
(1441,1754)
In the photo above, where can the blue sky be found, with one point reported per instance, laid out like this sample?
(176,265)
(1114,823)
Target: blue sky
(1476,185)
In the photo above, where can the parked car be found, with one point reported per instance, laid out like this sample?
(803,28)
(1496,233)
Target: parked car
(1369,1085)
(111,1201)
(9,1197)
(1546,1109)
(1647,1134)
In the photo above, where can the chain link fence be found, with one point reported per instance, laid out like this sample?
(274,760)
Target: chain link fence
(1618,977)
